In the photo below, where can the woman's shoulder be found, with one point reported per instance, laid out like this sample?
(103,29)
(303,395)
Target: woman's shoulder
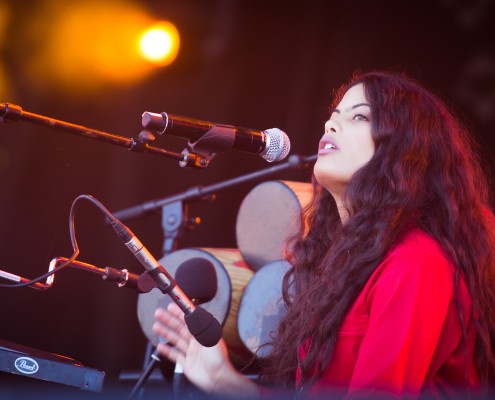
(418,246)
(418,253)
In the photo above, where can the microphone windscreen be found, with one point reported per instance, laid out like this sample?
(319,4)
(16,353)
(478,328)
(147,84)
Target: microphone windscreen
(204,327)
(198,279)
(278,146)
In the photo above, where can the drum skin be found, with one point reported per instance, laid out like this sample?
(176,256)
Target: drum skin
(262,307)
(268,215)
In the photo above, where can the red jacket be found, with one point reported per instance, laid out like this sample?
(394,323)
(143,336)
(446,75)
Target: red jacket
(402,335)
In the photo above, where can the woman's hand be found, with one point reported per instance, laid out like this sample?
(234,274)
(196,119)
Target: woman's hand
(208,368)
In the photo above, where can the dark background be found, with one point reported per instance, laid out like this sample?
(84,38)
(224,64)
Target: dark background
(259,64)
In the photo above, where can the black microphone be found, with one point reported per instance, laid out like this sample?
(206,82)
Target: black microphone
(202,325)
(198,279)
(271,144)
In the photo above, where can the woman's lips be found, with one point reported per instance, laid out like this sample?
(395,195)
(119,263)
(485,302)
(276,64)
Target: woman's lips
(327,145)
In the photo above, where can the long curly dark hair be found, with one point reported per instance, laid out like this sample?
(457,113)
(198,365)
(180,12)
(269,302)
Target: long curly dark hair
(426,173)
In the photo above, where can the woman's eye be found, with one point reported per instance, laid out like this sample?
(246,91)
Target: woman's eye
(361,117)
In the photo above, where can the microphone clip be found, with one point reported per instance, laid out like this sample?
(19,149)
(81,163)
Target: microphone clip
(218,139)
(152,277)
(191,160)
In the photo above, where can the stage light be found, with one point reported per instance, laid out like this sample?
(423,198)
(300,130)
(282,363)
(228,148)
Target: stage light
(160,43)
(91,44)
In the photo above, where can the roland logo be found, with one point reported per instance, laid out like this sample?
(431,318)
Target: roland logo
(26,365)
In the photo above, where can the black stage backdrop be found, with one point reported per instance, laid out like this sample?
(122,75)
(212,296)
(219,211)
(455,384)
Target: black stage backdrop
(258,64)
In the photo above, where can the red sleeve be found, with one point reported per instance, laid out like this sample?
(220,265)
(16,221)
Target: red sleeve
(407,308)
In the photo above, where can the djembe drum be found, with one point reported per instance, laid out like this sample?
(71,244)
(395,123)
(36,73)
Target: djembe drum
(232,275)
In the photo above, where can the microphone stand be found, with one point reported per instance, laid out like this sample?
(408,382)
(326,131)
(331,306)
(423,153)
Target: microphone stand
(174,221)
(143,378)
(12,113)
(203,192)
(123,278)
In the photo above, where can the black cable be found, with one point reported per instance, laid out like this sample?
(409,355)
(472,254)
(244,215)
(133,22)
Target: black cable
(72,232)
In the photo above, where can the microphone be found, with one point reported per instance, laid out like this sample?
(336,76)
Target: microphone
(198,279)
(202,325)
(208,137)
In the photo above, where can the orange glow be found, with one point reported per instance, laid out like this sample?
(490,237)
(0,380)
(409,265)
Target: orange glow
(4,14)
(87,45)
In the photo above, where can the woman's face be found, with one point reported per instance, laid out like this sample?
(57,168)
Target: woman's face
(347,144)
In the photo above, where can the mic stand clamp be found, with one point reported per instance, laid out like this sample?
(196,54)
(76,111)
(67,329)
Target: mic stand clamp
(175,220)
(218,139)
(193,160)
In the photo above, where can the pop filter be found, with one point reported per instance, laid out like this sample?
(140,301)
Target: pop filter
(198,279)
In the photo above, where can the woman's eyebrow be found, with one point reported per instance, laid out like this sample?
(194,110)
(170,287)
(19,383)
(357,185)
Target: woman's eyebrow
(336,110)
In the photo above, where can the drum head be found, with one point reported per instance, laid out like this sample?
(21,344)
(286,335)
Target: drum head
(267,217)
(262,307)
(219,306)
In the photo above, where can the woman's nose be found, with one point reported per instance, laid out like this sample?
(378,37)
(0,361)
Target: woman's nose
(331,126)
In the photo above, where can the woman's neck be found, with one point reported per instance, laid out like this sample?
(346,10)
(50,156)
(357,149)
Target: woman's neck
(342,210)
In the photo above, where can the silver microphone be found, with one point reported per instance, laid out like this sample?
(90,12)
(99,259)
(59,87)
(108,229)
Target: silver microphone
(271,144)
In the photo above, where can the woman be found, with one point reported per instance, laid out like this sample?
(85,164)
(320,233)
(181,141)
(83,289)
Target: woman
(392,290)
